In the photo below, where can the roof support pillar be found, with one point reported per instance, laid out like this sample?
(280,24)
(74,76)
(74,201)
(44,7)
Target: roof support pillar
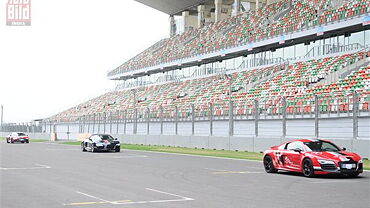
(185,16)
(172,25)
(236,8)
(218,7)
(201,19)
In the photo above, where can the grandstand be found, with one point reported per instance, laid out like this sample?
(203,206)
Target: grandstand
(236,61)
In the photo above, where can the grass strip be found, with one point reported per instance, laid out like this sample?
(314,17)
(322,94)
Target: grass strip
(202,152)
(71,143)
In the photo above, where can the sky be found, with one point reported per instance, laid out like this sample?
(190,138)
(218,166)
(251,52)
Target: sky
(62,59)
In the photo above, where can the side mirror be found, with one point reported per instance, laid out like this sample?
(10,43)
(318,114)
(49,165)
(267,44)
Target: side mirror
(116,138)
(344,149)
(90,139)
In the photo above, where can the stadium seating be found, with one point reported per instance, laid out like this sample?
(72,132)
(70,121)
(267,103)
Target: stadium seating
(298,82)
(245,28)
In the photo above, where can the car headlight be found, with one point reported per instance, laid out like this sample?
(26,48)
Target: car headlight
(118,144)
(99,145)
(324,162)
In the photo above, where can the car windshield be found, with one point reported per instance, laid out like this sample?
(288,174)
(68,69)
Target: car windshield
(21,134)
(321,146)
(106,137)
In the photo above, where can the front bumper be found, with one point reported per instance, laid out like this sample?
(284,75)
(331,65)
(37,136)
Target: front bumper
(20,140)
(106,147)
(340,168)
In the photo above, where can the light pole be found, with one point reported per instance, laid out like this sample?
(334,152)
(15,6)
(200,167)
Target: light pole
(231,110)
(135,111)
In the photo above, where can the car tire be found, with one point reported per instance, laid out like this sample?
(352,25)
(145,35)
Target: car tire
(307,168)
(118,149)
(269,164)
(11,141)
(92,148)
(7,141)
(28,141)
(83,147)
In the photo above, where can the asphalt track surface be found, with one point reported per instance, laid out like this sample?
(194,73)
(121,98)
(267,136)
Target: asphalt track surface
(46,175)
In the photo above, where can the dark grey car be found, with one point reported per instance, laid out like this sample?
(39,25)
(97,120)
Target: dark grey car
(100,142)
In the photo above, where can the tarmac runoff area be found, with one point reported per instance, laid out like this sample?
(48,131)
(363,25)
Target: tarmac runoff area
(47,175)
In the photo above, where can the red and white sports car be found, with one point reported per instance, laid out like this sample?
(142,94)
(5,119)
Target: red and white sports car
(312,156)
(17,137)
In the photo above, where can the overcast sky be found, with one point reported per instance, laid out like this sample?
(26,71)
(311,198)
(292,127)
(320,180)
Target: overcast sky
(62,59)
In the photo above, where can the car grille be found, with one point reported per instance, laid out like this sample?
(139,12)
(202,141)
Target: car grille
(328,167)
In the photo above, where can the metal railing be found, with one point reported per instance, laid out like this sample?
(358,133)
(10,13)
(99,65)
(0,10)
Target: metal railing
(315,109)
(331,49)
(27,128)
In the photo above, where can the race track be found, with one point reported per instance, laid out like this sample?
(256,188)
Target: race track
(47,175)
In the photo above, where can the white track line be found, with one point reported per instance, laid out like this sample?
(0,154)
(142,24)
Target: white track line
(155,201)
(218,171)
(215,169)
(162,192)
(76,149)
(94,197)
(123,202)
(29,168)
(181,198)
(350,181)
(117,157)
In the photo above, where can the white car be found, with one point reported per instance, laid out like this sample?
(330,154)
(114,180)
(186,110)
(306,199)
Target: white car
(17,137)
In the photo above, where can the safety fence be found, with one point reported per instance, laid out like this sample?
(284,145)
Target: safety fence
(338,116)
(21,127)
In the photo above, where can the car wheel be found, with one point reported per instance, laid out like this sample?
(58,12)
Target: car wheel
(11,141)
(83,147)
(92,148)
(28,141)
(118,149)
(307,168)
(7,141)
(269,165)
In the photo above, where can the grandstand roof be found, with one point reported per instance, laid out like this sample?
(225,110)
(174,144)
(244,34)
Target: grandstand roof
(171,7)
